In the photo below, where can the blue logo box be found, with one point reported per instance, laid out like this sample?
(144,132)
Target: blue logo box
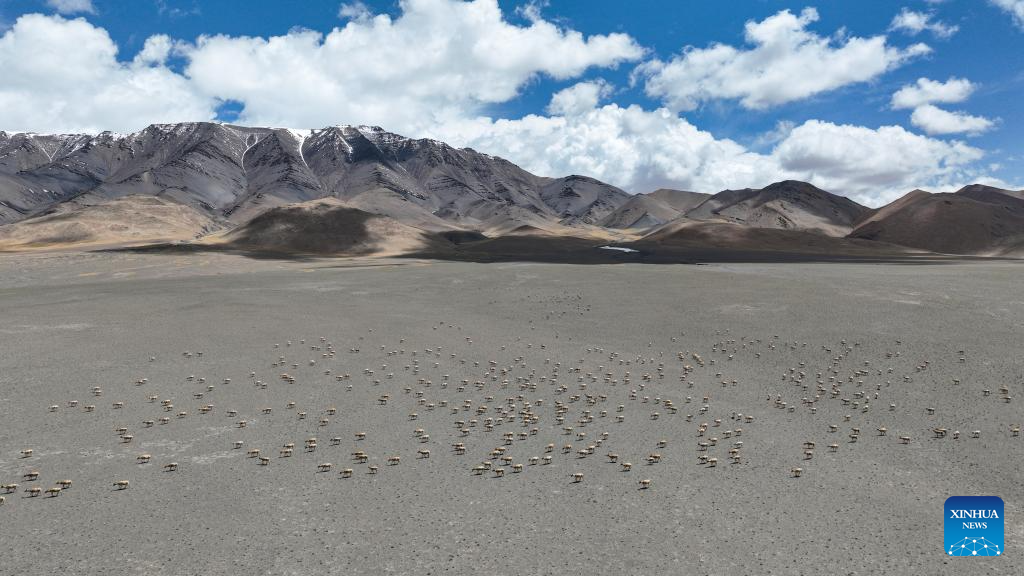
(974,526)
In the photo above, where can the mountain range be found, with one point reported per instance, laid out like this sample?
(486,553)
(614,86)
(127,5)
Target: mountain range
(254,187)
(231,173)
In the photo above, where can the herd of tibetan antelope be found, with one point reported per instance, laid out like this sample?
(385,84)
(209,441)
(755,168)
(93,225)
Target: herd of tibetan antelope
(514,417)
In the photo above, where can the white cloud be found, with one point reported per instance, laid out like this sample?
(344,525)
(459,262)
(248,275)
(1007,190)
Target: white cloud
(628,146)
(72,6)
(432,71)
(927,91)
(354,11)
(782,129)
(935,120)
(439,59)
(922,96)
(532,9)
(155,50)
(785,63)
(1015,8)
(871,164)
(579,98)
(640,150)
(63,76)
(914,23)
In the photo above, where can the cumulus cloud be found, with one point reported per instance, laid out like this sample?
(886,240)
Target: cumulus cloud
(913,23)
(922,96)
(782,129)
(927,91)
(935,120)
(628,146)
(155,50)
(640,150)
(72,6)
(871,162)
(438,59)
(785,62)
(434,69)
(1015,8)
(579,98)
(63,76)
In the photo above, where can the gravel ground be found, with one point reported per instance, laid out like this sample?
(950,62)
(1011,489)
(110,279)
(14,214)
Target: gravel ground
(637,336)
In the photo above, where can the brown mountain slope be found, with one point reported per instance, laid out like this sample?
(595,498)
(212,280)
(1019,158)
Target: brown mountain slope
(124,221)
(732,237)
(654,209)
(876,214)
(952,224)
(681,200)
(788,205)
(990,194)
(325,227)
(581,200)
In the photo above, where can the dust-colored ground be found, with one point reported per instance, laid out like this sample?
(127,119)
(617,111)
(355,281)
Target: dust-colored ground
(567,341)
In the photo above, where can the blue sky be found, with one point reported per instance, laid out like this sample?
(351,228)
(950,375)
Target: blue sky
(681,93)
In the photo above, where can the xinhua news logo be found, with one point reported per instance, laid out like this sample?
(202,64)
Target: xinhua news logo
(974,526)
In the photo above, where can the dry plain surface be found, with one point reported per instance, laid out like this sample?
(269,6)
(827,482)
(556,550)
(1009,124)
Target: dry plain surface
(503,349)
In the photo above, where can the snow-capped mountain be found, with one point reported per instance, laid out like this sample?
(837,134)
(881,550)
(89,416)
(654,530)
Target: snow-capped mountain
(233,172)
